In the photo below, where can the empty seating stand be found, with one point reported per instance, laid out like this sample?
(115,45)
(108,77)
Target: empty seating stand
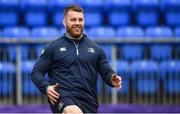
(123,70)
(18,32)
(8,83)
(9,13)
(171,10)
(170,77)
(35,12)
(147,12)
(119,12)
(145,80)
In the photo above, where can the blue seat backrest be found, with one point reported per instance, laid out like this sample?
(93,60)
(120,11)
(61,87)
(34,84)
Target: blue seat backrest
(131,52)
(130,32)
(16,32)
(166,52)
(144,68)
(101,32)
(159,32)
(123,68)
(93,19)
(45,32)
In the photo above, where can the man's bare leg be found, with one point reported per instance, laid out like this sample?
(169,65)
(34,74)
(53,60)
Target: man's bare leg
(72,109)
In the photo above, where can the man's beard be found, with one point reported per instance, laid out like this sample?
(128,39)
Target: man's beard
(74,35)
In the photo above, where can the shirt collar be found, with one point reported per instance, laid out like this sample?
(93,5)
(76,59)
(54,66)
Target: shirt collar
(71,38)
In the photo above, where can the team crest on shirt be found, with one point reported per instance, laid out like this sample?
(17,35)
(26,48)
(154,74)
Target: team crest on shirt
(91,50)
(62,49)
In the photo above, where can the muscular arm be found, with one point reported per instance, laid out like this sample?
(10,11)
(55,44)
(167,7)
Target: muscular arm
(40,68)
(104,68)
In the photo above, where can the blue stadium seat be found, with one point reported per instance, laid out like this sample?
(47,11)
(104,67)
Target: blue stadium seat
(170,75)
(18,32)
(144,66)
(123,68)
(177,32)
(8,18)
(33,5)
(101,32)
(170,5)
(131,52)
(171,10)
(35,12)
(172,18)
(28,88)
(173,86)
(9,4)
(57,19)
(158,32)
(144,86)
(93,19)
(36,18)
(27,66)
(147,18)
(45,32)
(121,18)
(91,5)
(130,32)
(59,5)
(9,13)
(161,52)
(7,76)
(117,5)
(146,4)
(145,74)
(146,12)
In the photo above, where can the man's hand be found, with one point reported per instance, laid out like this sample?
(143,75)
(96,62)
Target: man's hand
(116,81)
(52,94)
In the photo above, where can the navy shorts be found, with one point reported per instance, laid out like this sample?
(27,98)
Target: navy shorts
(84,105)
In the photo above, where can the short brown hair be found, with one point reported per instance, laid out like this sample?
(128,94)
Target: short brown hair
(76,8)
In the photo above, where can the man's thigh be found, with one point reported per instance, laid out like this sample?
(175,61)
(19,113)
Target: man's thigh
(62,103)
(72,109)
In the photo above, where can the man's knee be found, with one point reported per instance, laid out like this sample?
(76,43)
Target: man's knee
(72,109)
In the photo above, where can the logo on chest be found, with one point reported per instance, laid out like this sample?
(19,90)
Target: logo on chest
(63,49)
(91,50)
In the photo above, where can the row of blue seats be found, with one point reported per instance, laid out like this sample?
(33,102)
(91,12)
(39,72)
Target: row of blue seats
(114,18)
(129,52)
(90,4)
(93,32)
(146,75)
(36,13)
